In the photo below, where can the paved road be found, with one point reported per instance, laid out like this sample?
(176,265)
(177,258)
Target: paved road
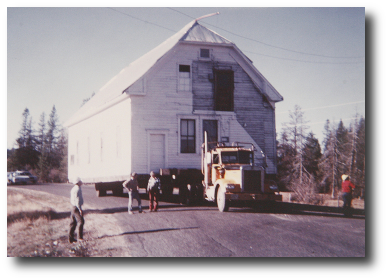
(202,231)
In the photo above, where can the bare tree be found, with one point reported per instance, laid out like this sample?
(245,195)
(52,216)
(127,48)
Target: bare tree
(298,178)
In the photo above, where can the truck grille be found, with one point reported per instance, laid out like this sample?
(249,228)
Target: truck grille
(252,181)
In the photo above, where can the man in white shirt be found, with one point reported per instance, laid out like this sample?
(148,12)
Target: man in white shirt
(76,215)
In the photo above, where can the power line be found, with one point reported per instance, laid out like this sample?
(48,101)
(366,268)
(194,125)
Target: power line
(141,19)
(299,60)
(269,45)
(281,58)
(329,106)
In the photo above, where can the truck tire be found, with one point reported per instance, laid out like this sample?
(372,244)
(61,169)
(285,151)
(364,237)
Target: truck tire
(222,204)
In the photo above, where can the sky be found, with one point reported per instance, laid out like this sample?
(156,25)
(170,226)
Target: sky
(314,57)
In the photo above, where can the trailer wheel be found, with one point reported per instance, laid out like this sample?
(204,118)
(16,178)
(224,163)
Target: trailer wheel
(222,204)
(101,193)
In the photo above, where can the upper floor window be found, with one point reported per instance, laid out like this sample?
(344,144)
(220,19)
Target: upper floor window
(223,90)
(205,53)
(184,78)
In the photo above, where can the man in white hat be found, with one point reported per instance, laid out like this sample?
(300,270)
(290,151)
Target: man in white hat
(76,215)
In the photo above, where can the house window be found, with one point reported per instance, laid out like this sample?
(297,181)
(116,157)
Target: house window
(205,53)
(223,90)
(187,136)
(184,78)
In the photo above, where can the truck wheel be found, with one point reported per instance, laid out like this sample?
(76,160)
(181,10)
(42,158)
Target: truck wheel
(221,201)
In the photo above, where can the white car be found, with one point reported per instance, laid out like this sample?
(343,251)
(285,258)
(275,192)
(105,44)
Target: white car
(22,177)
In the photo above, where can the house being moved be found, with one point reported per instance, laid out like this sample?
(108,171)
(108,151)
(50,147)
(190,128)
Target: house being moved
(152,115)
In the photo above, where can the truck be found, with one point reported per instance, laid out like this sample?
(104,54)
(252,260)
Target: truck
(230,176)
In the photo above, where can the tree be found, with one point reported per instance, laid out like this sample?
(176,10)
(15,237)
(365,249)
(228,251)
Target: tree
(26,156)
(356,154)
(329,161)
(41,137)
(312,154)
(285,156)
(297,177)
(52,137)
(343,149)
(44,151)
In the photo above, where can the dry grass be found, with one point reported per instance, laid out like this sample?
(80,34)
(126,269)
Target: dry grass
(38,223)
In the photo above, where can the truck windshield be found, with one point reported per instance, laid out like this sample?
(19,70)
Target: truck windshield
(237,157)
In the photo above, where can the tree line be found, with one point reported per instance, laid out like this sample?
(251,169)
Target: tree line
(43,152)
(306,168)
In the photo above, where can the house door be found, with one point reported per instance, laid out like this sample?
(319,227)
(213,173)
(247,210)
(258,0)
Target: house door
(157,152)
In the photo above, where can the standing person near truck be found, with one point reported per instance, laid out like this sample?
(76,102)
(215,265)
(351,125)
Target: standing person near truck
(76,215)
(347,188)
(133,192)
(153,189)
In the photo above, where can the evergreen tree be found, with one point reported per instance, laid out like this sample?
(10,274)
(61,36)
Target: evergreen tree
(41,137)
(26,154)
(312,154)
(285,156)
(359,176)
(52,136)
(343,149)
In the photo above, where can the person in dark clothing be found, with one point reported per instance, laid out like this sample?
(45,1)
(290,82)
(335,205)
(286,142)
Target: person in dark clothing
(153,189)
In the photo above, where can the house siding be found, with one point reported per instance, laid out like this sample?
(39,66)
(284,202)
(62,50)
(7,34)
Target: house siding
(100,146)
(162,106)
(252,110)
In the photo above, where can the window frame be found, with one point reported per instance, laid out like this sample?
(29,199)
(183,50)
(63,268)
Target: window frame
(220,90)
(186,149)
(182,80)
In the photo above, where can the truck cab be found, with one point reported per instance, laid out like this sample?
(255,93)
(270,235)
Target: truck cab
(230,175)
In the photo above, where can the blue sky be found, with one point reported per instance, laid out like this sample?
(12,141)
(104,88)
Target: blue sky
(314,57)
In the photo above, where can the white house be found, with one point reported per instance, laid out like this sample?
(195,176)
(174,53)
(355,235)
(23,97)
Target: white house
(153,113)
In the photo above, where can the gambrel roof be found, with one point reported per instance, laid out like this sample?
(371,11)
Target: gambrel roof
(114,91)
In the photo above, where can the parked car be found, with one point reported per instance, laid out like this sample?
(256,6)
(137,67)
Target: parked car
(22,177)
(9,177)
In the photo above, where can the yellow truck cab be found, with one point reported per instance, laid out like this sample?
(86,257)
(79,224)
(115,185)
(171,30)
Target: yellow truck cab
(230,175)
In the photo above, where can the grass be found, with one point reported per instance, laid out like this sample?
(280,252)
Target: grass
(34,229)
(38,224)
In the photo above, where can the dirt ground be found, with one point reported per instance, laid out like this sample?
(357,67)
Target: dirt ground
(38,224)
